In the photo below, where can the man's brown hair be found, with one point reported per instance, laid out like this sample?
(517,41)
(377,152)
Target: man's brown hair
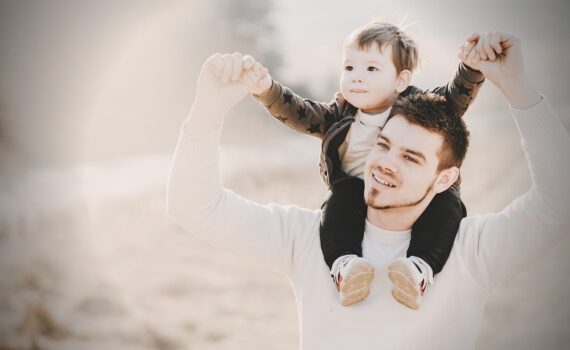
(404,48)
(429,111)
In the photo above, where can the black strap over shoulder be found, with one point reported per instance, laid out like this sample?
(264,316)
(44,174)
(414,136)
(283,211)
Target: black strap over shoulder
(330,159)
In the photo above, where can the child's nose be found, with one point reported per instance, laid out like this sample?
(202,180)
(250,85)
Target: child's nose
(357,76)
(356,79)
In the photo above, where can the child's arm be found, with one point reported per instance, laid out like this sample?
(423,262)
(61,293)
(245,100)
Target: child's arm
(460,91)
(303,115)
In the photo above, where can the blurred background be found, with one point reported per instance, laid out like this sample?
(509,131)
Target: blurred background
(92,96)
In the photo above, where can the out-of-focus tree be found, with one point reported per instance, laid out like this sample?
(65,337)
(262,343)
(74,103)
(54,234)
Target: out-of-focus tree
(102,80)
(245,25)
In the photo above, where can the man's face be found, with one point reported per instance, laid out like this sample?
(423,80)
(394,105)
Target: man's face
(369,78)
(401,169)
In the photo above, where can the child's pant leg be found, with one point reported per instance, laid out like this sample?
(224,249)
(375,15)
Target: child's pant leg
(434,232)
(343,219)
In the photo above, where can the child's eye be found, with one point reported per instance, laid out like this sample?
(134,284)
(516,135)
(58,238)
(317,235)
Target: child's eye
(348,68)
(410,159)
(372,69)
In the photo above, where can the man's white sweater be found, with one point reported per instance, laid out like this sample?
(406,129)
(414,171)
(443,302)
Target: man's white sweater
(488,248)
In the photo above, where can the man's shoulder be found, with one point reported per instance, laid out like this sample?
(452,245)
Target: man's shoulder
(469,226)
(468,238)
(302,227)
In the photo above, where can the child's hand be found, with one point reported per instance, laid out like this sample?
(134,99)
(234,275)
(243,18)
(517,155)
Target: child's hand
(464,52)
(256,77)
(480,47)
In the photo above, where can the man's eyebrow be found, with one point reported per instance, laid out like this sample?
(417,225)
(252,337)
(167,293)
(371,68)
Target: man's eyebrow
(415,153)
(380,136)
(407,150)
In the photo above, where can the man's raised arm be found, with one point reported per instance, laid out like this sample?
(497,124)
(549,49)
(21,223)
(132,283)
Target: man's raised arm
(527,228)
(196,198)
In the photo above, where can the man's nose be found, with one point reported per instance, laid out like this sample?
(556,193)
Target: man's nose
(387,163)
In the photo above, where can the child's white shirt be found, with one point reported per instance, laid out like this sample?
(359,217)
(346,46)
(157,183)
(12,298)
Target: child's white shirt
(360,139)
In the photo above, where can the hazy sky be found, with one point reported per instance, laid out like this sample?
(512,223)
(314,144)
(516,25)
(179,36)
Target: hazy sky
(313,35)
(94,80)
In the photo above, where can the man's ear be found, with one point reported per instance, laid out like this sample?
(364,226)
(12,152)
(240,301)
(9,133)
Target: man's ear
(445,179)
(404,79)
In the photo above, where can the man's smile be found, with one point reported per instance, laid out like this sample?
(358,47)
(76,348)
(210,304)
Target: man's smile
(379,180)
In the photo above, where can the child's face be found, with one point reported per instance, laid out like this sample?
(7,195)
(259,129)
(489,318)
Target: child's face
(369,80)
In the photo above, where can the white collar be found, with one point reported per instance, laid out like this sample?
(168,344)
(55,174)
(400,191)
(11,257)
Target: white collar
(377,233)
(372,119)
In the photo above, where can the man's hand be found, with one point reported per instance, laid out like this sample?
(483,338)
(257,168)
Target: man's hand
(480,47)
(498,54)
(220,84)
(499,57)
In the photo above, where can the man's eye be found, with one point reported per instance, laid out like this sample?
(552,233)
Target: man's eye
(348,68)
(372,69)
(383,145)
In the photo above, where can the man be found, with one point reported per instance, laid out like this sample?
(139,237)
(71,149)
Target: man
(488,248)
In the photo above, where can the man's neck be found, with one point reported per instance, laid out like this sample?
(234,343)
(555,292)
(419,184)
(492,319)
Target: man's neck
(396,219)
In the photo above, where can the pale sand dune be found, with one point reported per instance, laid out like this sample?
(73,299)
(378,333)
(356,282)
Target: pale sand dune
(90,261)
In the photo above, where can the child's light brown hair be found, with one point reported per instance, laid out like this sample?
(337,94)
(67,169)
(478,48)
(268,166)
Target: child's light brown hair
(404,48)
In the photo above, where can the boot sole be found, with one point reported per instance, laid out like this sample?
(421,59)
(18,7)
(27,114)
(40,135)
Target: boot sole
(356,286)
(404,291)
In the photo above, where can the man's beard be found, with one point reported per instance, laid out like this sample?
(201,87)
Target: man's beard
(374,194)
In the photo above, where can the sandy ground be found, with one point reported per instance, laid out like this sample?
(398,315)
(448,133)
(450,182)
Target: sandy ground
(89,260)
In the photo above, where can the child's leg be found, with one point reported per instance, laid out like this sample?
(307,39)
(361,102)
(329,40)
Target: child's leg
(435,230)
(341,232)
(432,238)
(343,219)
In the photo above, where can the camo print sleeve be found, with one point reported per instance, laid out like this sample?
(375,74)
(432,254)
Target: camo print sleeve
(460,92)
(303,115)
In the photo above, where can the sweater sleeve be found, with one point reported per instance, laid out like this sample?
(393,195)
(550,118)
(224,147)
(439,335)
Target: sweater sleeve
(303,115)
(496,246)
(197,201)
(460,92)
